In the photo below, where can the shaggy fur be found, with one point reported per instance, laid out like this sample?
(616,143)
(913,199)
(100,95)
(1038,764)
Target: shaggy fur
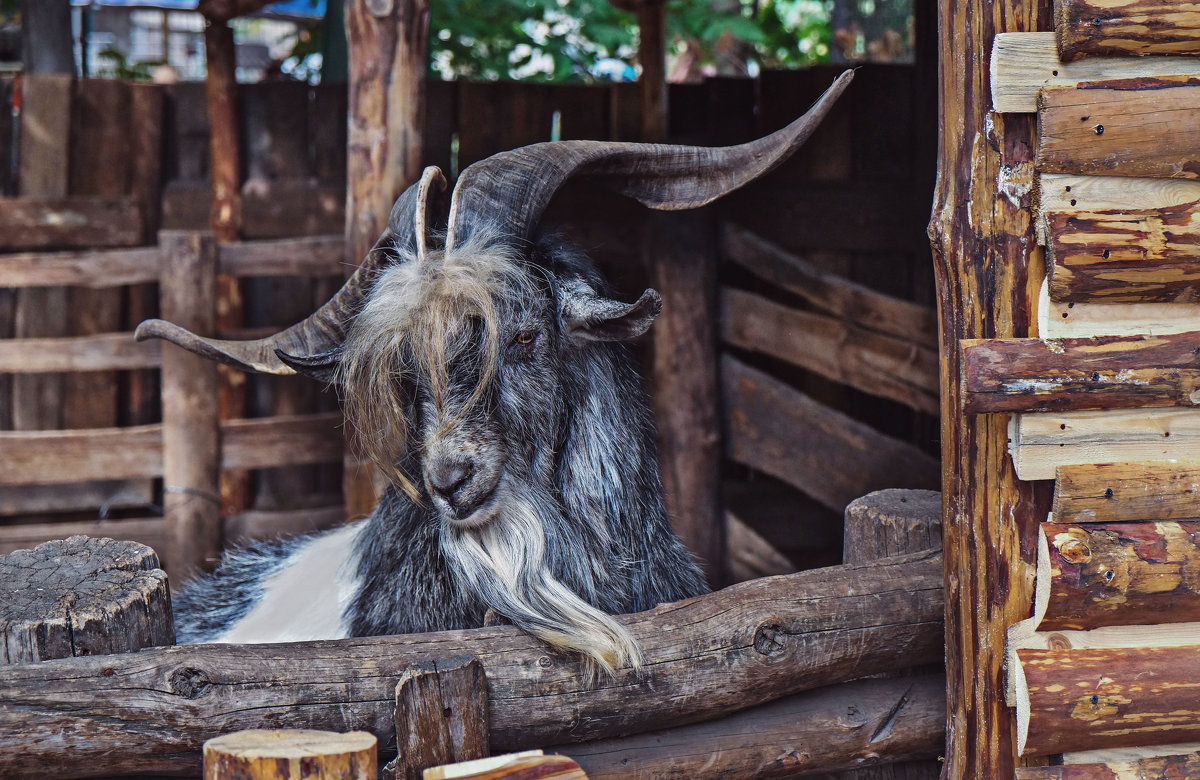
(487,384)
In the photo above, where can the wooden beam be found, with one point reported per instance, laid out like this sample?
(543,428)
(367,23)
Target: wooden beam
(896,719)
(1023,63)
(829,292)
(281,441)
(1137,127)
(1119,492)
(1040,443)
(1067,320)
(91,268)
(1124,257)
(306,256)
(64,222)
(1121,574)
(1085,28)
(1106,372)
(831,457)
(869,361)
(99,496)
(1103,698)
(705,657)
(105,352)
(1186,765)
(24,536)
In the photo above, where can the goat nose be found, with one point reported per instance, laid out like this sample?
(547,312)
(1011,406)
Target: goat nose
(448,477)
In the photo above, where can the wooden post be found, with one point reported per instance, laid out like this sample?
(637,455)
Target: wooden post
(293,754)
(681,256)
(387,44)
(652,55)
(191,424)
(82,596)
(441,716)
(988,269)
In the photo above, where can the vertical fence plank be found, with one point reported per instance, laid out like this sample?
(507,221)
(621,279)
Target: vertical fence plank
(191,443)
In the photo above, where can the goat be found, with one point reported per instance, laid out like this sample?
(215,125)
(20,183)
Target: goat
(485,374)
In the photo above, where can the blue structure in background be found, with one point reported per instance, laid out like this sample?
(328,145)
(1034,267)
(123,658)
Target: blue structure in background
(295,9)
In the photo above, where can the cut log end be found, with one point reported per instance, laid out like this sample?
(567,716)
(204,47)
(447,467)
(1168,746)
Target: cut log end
(289,754)
(83,596)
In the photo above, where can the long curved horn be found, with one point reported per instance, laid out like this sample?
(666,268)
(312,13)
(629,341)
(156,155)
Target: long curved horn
(519,184)
(310,344)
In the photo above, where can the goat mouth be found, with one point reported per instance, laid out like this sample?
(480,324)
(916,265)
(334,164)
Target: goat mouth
(483,514)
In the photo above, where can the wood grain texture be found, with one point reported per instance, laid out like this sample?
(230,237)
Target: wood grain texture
(104,352)
(1085,28)
(829,456)
(1120,492)
(441,716)
(858,724)
(291,754)
(512,766)
(1180,766)
(77,221)
(1089,699)
(81,597)
(1125,257)
(892,522)
(705,657)
(1139,127)
(1040,443)
(827,291)
(878,364)
(1023,63)
(23,536)
(1122,574)
(101,495)
(1105,372)
(987,267)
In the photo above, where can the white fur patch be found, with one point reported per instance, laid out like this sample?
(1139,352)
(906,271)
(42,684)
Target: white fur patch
(306,599)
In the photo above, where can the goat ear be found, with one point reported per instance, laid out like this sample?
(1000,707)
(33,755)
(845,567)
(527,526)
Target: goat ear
(589,317)
(321,366)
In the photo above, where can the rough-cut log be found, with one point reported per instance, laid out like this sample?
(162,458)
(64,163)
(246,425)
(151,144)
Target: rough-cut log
(1177,766)
(291,754)
(872,362)
(1136,127)
(82,596)
(1023,63)
(829,292)
(1119,492)
(705,657)
(1125,257)
(1043,442)
(862,723)
(1089,699)
(106,352)
(1058,375)
(829,456)
(1122,574)
(441,716)
(1085,28)
(191,445)
(892,522)
(680,251)
(988,268)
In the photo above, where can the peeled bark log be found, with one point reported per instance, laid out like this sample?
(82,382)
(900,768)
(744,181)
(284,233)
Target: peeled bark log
(1120,492)
(1125,27)
(1180,766)
(705,657)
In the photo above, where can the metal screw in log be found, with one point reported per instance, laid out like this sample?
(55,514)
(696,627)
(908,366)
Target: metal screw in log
(291,754)
(82,596)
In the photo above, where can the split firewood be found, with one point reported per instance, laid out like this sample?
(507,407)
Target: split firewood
(514,766)
(291,754)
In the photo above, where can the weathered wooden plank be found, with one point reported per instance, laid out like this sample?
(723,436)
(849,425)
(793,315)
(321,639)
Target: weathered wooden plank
(1085,28)
(1124,256)
(94,268)
(1138,127)
(1117,492)
(1023,63)
(736,648)
(45,136)
(281,441)
(1066,320)
(1122,574)
(1106,372)
(750,555)
(105,352)
(866,360)
(867,308)
(1040,443)
(894,719)
(99,496)
(1072,192)
(257,524)
(23,536)
(829,456)
(1186,765)
(307,256)
(75,221)
(1087,699)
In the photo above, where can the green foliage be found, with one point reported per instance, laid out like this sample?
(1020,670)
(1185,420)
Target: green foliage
(117,66)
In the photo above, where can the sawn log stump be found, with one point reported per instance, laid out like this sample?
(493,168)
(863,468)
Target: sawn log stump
(83,596)
(291,754)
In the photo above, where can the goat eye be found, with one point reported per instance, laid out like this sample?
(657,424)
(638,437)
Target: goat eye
(526,337)
(521,345)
